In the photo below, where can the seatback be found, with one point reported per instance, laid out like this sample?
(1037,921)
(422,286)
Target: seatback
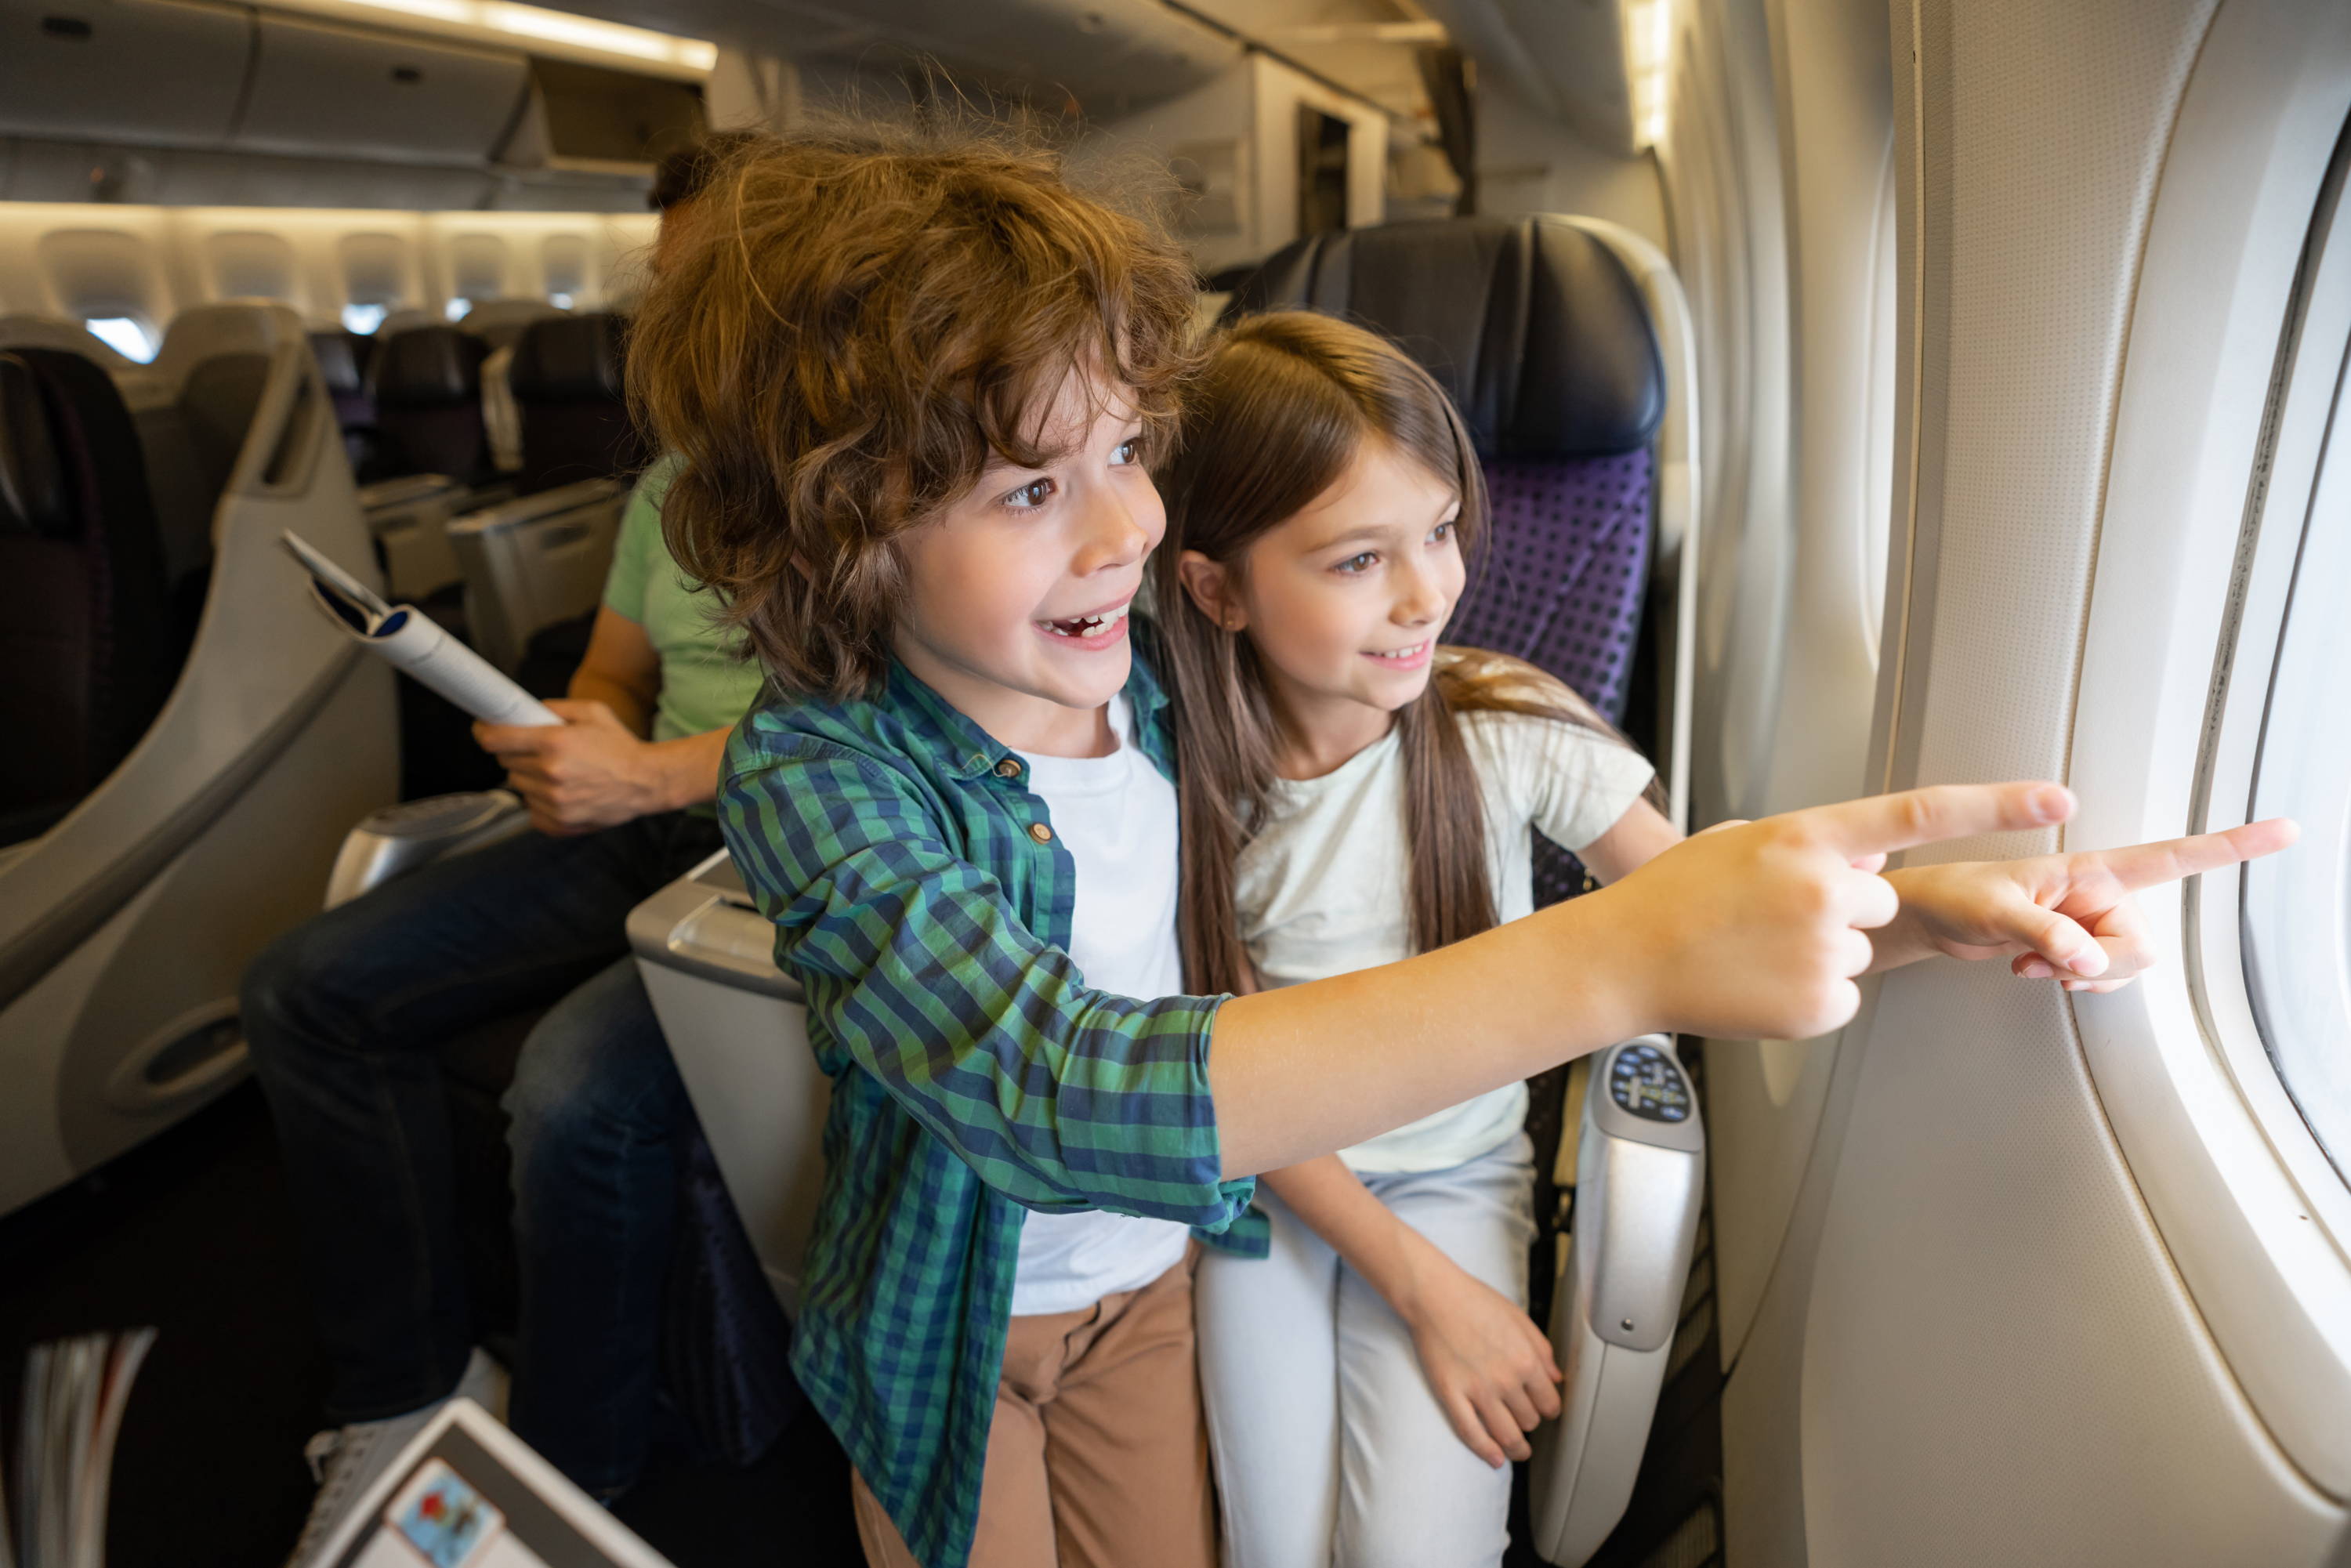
(342,366)
(568,377)
(501,323)
(86,654)
(1538,332)
(427,383)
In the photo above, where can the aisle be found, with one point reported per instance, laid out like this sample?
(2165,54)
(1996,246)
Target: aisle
(191,1233)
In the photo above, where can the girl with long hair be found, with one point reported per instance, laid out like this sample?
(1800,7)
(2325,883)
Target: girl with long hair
(1354,793)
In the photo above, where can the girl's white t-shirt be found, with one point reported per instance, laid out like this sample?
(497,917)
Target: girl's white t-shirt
(1321,890)
(1116,815)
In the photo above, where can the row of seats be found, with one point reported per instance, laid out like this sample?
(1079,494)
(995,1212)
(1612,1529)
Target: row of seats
(438,399)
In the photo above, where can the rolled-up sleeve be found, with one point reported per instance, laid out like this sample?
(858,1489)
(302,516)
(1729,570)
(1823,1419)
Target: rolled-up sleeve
(917,966)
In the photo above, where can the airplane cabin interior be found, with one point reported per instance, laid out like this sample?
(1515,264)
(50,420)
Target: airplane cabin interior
(1865,395)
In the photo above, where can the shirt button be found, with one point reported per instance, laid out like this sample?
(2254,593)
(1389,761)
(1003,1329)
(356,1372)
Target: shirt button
(1007,769)
(1040,832)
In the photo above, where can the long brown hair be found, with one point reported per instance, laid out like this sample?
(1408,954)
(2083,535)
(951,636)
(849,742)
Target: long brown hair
(864,316)
(1282,405)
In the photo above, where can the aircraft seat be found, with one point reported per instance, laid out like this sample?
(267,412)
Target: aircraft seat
(126,923)
(87,656)
(568,377)
(539,560)
(500,323)
(342,365)
(427,383)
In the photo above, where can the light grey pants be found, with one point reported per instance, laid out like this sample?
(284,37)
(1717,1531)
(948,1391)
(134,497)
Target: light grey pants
(1329,1449)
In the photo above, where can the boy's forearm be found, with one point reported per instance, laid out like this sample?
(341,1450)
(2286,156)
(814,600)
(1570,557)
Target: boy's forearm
(1303,1071)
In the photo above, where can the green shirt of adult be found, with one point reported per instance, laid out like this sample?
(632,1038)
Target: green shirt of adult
(703,685)
(651,704)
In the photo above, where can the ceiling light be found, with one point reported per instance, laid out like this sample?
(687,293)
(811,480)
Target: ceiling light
(539,23)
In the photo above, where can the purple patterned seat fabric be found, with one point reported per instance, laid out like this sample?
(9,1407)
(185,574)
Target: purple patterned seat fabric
(1561,588)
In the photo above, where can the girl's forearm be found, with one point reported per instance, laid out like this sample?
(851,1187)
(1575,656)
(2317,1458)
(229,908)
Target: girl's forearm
(1305,1070)
(1335,1205)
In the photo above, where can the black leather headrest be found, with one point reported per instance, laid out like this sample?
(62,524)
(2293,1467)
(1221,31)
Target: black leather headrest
(1532,325)
(429,367)
(339,361)
(35,493)
(570,358)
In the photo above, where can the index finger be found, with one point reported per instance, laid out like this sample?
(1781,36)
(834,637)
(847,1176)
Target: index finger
(1882,823)
(2137,866)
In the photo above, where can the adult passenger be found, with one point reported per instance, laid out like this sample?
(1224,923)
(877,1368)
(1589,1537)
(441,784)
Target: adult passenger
(345,1013)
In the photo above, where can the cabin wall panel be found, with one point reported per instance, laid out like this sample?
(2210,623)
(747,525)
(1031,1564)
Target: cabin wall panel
(1974,1347)
(1530,161)
(63,259)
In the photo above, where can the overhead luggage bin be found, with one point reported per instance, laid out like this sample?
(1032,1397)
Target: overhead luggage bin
(126,922)
(320,88)
(168,72)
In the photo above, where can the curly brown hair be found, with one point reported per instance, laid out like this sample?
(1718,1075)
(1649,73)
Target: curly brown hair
(861,321)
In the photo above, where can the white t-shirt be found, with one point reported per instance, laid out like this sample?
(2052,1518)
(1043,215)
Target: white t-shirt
(1116,816)
(1321,890)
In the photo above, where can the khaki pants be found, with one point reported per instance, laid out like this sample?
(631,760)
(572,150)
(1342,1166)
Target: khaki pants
(1097,1457)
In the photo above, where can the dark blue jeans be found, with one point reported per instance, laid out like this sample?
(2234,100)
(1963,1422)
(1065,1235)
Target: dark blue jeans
(343,1015)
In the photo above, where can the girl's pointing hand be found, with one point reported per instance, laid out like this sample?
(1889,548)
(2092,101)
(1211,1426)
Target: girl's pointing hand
(2064,916)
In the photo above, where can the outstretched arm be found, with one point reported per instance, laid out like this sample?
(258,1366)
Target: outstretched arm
(1755,930)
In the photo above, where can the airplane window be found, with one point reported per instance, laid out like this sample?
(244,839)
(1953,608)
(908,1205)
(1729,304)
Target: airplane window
(477,263)
(251,264)
(125,336)
(2297,909)
(563,267)
(364,319)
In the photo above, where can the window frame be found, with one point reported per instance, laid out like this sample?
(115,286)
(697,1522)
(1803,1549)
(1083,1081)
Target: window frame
(2177,645)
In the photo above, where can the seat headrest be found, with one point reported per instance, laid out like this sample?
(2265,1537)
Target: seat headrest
(35,494)
(429,367)
(570,358)
(1532,325)
(339,361)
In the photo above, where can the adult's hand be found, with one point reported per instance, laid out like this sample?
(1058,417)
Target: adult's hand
(592,772)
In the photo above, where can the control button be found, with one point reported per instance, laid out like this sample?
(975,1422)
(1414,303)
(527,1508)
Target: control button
(1649,1082)
(1040,832)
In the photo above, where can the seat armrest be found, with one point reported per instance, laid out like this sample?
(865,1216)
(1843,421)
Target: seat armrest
(534,561)
(408,490)
(398,839)
(703,924)
(1640,1178)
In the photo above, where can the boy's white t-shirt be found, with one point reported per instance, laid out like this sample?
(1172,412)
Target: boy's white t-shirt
(1116,816)
(1321,890)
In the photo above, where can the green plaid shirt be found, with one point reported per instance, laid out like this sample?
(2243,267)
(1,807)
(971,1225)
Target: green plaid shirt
(897,847)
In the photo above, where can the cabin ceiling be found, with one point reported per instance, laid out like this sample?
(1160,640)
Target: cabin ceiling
(1111,55)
